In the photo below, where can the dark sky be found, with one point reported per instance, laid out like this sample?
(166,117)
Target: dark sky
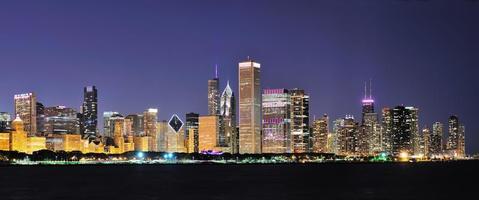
(144,54)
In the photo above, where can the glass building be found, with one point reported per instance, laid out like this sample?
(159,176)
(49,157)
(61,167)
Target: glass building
(89,112)
(276,121)
(40,118)
(191,131)
(137,124)
(61,120)
(300,120)
(403,122)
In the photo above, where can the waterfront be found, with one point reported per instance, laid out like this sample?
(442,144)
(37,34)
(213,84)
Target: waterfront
(429,180)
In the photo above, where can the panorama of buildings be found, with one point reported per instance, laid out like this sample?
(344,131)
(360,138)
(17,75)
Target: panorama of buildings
(257,120)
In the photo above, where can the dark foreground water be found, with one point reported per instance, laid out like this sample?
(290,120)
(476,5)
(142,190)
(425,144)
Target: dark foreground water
(454,180)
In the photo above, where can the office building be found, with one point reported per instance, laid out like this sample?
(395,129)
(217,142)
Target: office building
(60,120)
(320,134)
(150,118)
(214,94)
(191,131)
(26,109)
(89,112)
(249,107)
(276,121)
(300,120)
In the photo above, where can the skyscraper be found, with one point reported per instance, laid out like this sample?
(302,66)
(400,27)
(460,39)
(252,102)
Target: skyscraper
(370,134)
(191,131)
(108,126)
(462,141)
(456,138)
(26,109)
(347,130)
(300,120)
(276,121)
(89,119)
(249,107)
(386,130)
(214,95)
(175,138)
(368,105)
(404,126)
(435,144)
(209,128)
(150,117)
(40,118)
(228,134)
(320,134)
(426,141)
(61,120)
(415,132)
(137,124)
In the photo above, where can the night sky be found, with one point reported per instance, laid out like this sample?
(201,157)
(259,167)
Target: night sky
(144,54)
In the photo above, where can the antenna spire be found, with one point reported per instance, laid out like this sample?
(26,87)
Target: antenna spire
(370,89)
(365,90)
(216,71)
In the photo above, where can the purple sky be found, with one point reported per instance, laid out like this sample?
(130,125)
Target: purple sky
(144,54)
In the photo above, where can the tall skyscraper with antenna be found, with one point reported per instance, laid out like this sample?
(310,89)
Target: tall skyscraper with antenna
(213,94)
(370,132)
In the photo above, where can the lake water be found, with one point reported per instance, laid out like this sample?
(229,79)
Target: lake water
(451,180)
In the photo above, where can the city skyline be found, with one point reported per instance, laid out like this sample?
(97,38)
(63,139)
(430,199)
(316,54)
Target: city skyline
(337,94)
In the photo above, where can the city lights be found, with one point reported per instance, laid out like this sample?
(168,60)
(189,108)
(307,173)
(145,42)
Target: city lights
(274,121)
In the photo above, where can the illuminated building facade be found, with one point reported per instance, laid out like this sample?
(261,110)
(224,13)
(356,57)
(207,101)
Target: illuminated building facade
(209,128)
(71,142)
(18,136)
(40,118)
(191,131)
(456,139)
(249,107)
(4,141)
(228,136)
(214,95)
(5,121)
(300,120)
(26,109)
(35,143)
(404,130)
(60,120)
(370,141)
(320,133)
(416,136)
(435,144)
(141,143)
(137,124)
(150,117)
(426,141)
(175,138)
(276,121)
(89,115)
(163,130)
(347,131)
(108,126)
